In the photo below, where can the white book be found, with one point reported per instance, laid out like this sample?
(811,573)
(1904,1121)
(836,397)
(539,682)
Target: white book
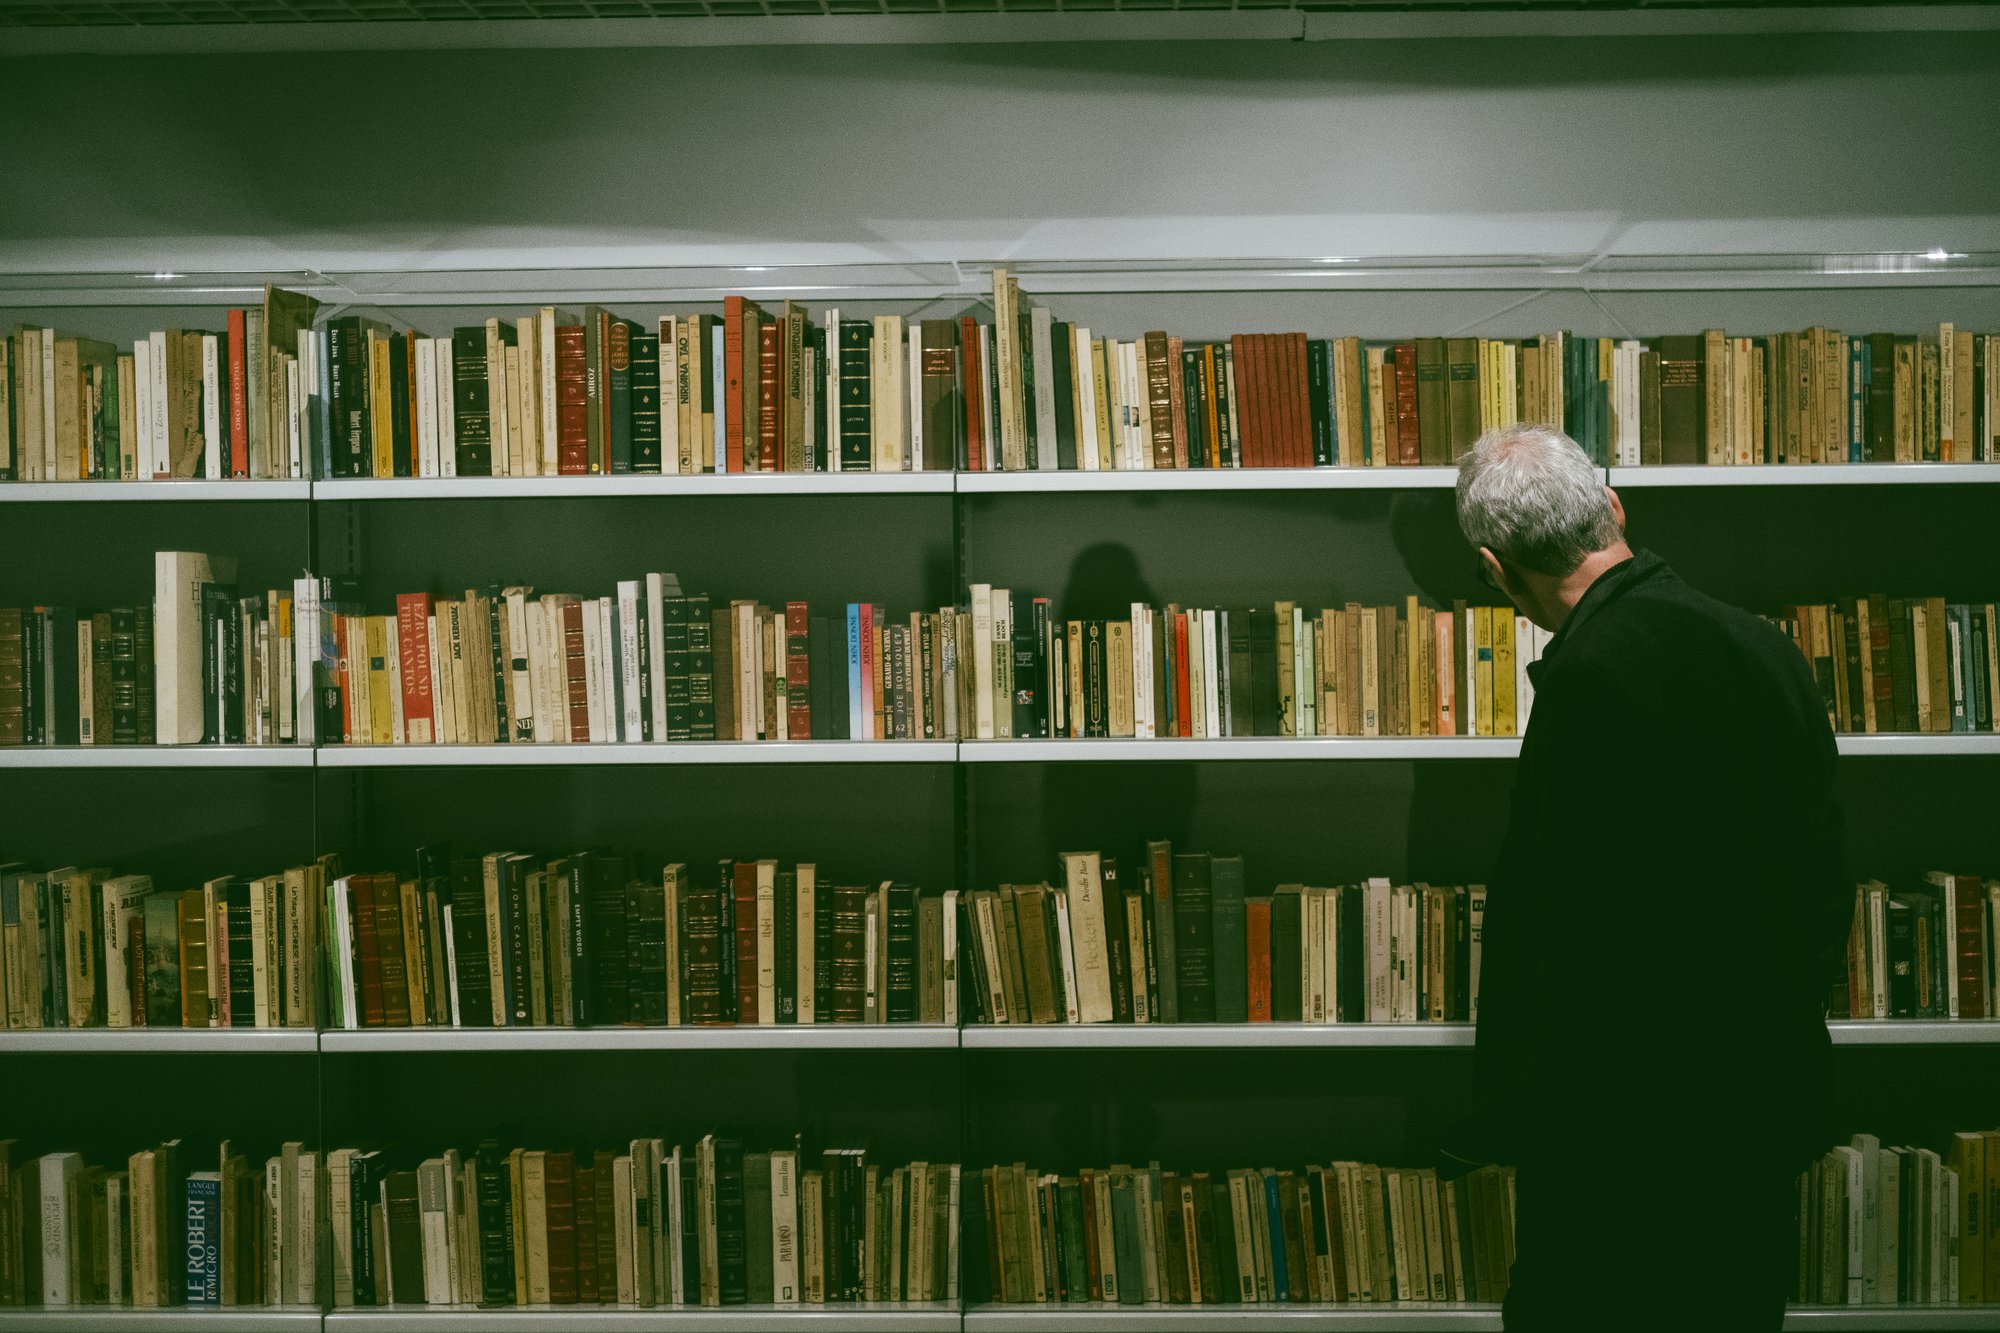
(426,394)
(593,668)
(447,409)
(631,729)
(178,579)
(58,1227)
(294,417)
(806,879)
(1136,454)
(1083,878)
(913,458)
(343,946)
(982,661)
(309,389)
(656,659)
(1066,957)
(1375,921)
(833,389)
(157,359)
(215,455)
(434,1220)
(122,901)
(670,417)
(1042,411)
(784,1228)
(1211,682)
(1086,402)
(541,719)
(674,1278)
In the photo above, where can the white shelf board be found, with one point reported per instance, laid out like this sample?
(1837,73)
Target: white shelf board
(1242,747)
(1406,1317)
(857,1318)
(1910,743)
(1212,479)
(679,752)
(180,1319)
(1914,1031)
(32,491)
(828,484)
(827,1037)
(159,1041)
(1889,1318)
(156,756)
(1216,1036)
(1819,474)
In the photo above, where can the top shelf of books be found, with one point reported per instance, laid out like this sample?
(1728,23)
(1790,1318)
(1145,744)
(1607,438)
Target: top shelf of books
(932,279)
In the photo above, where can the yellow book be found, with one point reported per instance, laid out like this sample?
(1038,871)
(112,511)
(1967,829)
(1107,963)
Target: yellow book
(381,681)
(1503,672)
(1106,460)
(1967,1156)
(1288,713)
(1413,665)
(378,404)
(1482,625)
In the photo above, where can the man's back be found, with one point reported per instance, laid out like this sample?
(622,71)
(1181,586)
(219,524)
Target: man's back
(1669,911)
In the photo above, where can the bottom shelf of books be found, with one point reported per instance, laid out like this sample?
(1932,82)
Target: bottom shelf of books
(711,1233)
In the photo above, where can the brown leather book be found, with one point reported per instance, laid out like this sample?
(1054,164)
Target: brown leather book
(576,682)
(1938,660)
(192,919)
(388,933)
(702,909)
(1649,407)
(604,1230)
(943,403)
(1159,399)
(1248,422)
(572,438)
(584,1193)
(745,887)
(1037,957)
(770,400)
(559,1205)
(1434,430)
(1203,1242)
(1406,448)
(1177,400)
(1174,1282)
(849,976)
(1301,421)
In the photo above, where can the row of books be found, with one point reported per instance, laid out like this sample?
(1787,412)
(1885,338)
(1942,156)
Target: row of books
(658,1224)
(1903,664)
(1901,1226)
(1923,951)
(561,393)
(586,939)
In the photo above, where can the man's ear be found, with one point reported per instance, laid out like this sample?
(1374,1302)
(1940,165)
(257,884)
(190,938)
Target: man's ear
(1617,507)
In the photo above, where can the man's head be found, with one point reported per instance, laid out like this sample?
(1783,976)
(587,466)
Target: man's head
(1542,519)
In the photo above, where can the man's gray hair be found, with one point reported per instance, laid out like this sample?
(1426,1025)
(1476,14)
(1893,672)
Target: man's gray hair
(1530,494)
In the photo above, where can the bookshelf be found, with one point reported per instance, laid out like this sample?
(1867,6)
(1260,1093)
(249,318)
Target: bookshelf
(1859,256)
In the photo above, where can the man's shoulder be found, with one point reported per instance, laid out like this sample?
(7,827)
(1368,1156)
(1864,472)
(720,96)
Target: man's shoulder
(1665,621)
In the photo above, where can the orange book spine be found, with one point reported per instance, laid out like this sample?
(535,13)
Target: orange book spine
(1257,930)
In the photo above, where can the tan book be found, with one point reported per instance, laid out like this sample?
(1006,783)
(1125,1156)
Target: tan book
(1118,662)
(1030,904)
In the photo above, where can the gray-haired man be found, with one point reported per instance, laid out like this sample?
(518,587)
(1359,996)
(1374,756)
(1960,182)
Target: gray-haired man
(1663,925)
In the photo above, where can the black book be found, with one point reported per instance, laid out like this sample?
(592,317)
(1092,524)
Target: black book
(346,389)
(60,663)
(1045,695)
(514,871)
(618,335)
(1194,942)
(34,707)
(1062,348)
(674,667)
(819,678)
(1194,417)
(495,1216)
(1030,703)
(700,670)
(1901,954)
(1351,971)
(1242,709)
(1319,397)
(731,1240)
(785,947)
(363,1182)
(645,402)
(726,879)
(1231,945)
(822,953)
(472,420)
(1031,419)
(901,1001)
(757,1224)
(972,992)
(645,955)
(495,597)
(399,403)
(1118,939)
(1263,632)
(857,417)
(1287,944)
(218,608)
(473,956)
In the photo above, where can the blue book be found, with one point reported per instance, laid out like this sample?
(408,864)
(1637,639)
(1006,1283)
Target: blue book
(1281,1289)
(203,1246)
(721,458)
(854,713)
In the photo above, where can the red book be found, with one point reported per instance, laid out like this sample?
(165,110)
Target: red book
(869,712)
(732,381)
(394,965)
(559,1210)
(413,652)
(1181,673)
(367,961)
(578,688)
(798,673)
(572,432)
(1968,952)
(1177,399)
(601,373)
(1257,930)
(1302,443)
(972,381)
(1448,723)
(770,400)
(1406,405)
(1268,425)
(746,941)
(1093,1280)
(239,402)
